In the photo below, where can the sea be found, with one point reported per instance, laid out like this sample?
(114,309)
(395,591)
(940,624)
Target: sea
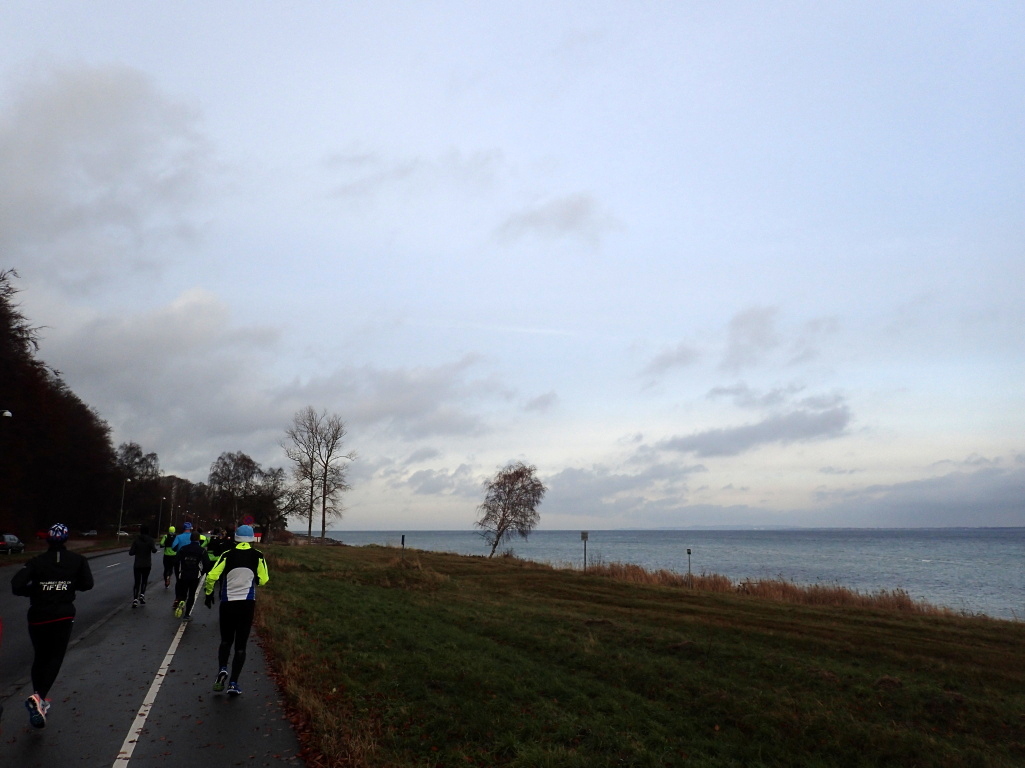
(970,570)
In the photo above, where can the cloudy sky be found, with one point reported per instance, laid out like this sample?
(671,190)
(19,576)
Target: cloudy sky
(703,264)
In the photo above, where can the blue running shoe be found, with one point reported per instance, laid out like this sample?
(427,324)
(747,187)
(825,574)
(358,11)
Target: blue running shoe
(37,709)
(234,690)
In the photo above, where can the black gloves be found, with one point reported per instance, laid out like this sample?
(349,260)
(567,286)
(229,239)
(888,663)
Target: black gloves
(209,600)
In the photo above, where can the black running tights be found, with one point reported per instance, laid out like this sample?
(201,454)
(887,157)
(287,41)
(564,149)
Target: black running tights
(49,641)
(185,589)
(236,623)
(169,561)
(141,580)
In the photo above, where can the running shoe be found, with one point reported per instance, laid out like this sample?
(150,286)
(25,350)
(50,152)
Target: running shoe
(37,709)
(219,681)
(234,690)
(135,603)
(142,599)
(179,608)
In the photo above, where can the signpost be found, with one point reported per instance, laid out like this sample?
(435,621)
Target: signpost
(583,538)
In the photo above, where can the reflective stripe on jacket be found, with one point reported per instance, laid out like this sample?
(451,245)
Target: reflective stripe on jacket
(239,570)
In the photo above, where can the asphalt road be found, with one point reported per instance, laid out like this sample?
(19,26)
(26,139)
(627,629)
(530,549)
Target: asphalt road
(135,688)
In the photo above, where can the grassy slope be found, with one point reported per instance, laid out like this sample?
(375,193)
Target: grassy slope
(444,660)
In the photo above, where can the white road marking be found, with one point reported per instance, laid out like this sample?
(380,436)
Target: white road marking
(147,704)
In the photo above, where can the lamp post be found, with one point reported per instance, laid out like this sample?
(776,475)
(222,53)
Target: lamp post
(160,513)
(117,533)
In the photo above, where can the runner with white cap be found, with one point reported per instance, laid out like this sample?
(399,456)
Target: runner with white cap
(237,573)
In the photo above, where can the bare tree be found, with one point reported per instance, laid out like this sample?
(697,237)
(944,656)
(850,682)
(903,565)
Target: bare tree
(511,499)
(302,447)
(331,472)
(314,443)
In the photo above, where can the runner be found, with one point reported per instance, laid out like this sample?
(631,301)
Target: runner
(239,571)
(221,543)
(50,580)
(142,548)
(192,563)
(167,543)
(183,539)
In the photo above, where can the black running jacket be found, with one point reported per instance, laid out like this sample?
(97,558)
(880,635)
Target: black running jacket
(51,580)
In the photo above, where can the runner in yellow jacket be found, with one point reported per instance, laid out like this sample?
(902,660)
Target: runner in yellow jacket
(236,574)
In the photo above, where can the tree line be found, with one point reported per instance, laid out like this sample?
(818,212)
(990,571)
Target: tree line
(58,463)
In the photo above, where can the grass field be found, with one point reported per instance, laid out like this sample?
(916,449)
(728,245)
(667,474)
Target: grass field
(427,659)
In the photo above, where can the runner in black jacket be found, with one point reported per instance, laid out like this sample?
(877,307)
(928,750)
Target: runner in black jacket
(142,550)
(191,563)
(50,580)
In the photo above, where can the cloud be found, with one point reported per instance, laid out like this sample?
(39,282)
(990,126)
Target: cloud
(745,397)
(421,455)
(752,334)
(973,461)
(679,356)
(796,426)
(96,169)
(989,496)
(179,378)
(366,174)
(806,347)
(458,482)
(754,338)
(601,491)
(188,382)
(575,216)
(542,403)
(410,403)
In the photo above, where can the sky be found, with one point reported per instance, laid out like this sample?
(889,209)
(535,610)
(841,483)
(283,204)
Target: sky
(702,264)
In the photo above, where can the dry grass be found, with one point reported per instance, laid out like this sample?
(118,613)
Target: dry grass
(779,590)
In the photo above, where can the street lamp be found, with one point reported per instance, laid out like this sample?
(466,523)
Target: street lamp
(160,513)
(117,533)
(6,414)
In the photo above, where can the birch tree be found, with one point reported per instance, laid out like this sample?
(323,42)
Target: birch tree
(511,499)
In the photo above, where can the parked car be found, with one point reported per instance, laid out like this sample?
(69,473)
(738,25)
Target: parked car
(89,533)
(11,544)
